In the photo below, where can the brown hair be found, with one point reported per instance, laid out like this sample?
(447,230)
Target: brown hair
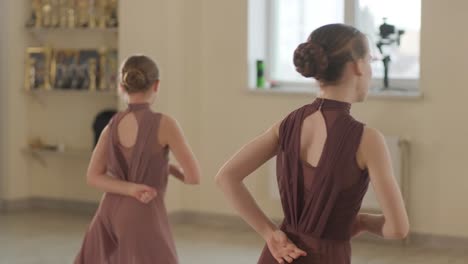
(138,73)
(327,51)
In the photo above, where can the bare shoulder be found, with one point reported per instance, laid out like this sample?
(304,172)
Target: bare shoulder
(167,122)
(105,131)
(275,128)
(371,136)
(372,142)
(169,129)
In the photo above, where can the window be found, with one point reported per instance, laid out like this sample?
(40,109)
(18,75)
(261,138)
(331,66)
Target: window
(276,27)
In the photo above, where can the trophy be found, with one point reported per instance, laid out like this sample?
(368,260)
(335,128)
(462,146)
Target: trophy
(35,19)
(55,13)
(113,19)
(82,13)
(71,14)
(47,13)
(92,14)
(102,9)
(63,13)
(92,69)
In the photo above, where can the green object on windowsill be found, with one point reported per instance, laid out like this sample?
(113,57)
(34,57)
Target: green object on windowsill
(260,74)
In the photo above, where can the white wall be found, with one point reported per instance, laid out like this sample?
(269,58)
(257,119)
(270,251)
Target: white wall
(162,35)
(15,178)
(2,97)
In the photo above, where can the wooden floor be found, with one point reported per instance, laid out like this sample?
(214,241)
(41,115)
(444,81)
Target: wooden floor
(51,237)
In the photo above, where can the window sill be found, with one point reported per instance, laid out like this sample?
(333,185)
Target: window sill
(373,94)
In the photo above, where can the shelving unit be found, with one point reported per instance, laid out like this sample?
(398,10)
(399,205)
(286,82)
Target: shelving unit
(65,116)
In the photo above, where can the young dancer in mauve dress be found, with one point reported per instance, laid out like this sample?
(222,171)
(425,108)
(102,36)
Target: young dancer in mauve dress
(131,165)
(325,161)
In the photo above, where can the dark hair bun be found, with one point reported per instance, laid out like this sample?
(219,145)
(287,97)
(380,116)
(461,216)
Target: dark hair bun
(134,79)
(310,60)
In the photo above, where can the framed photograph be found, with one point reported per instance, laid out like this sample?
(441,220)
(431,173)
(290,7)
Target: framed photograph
(111,70)
(37,74)
(88,70)
(64,67)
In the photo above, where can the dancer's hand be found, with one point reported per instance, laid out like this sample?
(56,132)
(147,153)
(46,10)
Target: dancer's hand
(357,227)
(282,249)
(142,193)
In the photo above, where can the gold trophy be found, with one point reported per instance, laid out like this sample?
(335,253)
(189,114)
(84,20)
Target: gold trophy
(92,68)
(55,13)
(63,13)
(82,7)
(102,9)
(92,14)
(35,19)
(71,14)
(47,13)
(39,14)
(112,21)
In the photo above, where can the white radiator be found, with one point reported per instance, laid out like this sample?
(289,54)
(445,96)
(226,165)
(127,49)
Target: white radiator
(399,154)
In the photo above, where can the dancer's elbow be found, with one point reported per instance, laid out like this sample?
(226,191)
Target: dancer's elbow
(225,178)
(91,179)
(398,232)
(218,179)
(221,178)
(192,180)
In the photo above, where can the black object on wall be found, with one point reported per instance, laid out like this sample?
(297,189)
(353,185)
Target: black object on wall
(101,121)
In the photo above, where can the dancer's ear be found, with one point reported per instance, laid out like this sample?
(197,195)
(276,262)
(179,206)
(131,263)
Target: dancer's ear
(155,86)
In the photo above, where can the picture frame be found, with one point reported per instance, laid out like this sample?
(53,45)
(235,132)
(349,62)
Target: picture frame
(111,70)
(37,68)
(64,67)
(89,69)
(71,69)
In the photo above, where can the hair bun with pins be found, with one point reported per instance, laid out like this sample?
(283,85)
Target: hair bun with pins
(134,79)
(310,60)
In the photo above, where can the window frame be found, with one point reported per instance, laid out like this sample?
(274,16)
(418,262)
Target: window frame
(400,85)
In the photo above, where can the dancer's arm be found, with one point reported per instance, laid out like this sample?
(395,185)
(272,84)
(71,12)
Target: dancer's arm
(171,134)
(177,172)
(97,176)
(372,223)
(375,155)
(230,180)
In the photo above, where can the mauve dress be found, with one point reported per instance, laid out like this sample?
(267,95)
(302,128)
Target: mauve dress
(124,230)
(320,203)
